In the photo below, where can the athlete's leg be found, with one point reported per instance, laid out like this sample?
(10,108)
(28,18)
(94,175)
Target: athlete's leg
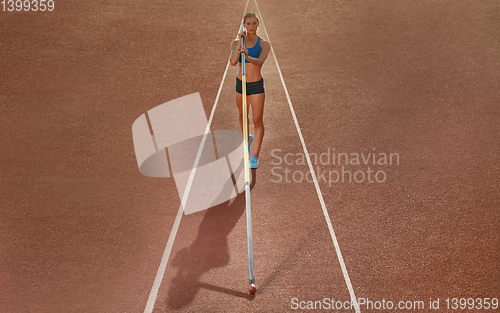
(239,103)
(257,102)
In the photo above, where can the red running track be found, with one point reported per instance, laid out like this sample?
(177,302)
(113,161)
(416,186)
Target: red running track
(83,231)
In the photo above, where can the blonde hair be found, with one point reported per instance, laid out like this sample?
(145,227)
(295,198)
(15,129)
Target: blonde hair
(251,14)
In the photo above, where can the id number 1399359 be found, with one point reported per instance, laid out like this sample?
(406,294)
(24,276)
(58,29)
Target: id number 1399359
(27,5)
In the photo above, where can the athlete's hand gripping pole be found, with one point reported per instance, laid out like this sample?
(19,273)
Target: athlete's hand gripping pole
(251,287)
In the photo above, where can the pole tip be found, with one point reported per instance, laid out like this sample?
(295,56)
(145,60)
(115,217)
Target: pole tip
(252,289)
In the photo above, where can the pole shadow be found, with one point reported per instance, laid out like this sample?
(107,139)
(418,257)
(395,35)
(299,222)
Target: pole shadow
(208,251)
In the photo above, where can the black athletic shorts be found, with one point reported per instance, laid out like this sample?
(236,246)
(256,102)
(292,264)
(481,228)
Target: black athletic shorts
(253,88)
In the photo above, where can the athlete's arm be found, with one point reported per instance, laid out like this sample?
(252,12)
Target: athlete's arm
(235,52)
(235,48)
(265,46)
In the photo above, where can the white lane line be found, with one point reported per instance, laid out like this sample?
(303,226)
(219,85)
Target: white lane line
(173,232)
(316,185)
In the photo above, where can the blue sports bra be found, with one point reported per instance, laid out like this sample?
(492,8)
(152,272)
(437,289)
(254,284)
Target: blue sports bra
(254,52)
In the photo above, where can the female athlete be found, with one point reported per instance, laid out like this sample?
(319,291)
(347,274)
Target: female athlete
(256,50)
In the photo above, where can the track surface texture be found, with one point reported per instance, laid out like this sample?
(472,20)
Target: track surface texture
(82,230)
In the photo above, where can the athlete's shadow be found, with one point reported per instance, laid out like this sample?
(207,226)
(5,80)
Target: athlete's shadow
(208,251)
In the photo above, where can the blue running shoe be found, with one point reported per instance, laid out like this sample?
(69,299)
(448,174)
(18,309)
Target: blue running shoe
(250,139)
(254,162)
